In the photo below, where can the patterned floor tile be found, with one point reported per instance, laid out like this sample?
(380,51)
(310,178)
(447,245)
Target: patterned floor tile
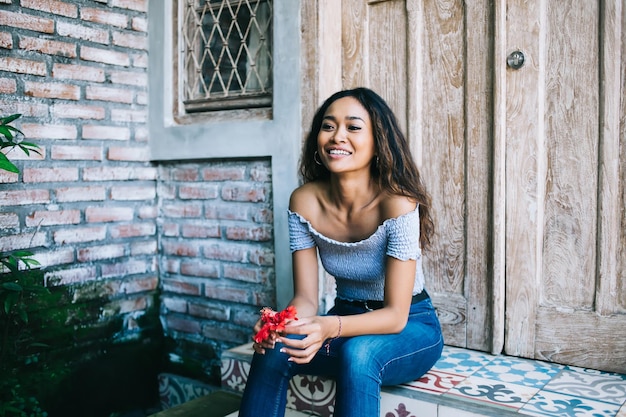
(399,406)
(462,361)
(435,382)
(519,371)
(493,392)
(552,404)
(622,411)
(593,385)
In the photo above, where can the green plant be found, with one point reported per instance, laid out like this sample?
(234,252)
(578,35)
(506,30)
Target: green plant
(11,138)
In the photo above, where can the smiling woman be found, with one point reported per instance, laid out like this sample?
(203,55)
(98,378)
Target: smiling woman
(364,209)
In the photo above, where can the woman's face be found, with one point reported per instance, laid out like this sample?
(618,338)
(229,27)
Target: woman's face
(345,142)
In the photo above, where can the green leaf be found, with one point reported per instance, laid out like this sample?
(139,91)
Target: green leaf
(6,132)
(7,165)
(8,119)
(11,286)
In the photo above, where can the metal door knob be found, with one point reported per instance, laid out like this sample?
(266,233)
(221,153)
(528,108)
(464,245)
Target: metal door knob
(515,60)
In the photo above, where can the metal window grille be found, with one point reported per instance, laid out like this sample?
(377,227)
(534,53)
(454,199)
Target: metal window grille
(227,54)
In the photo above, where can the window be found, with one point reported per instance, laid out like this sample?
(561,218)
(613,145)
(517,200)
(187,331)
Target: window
(226,54)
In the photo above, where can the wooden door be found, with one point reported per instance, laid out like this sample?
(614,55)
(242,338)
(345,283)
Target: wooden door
(424,58)
(560,144)
(526,167)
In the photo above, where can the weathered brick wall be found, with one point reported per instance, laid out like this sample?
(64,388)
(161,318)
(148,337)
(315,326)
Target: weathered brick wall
(217,263)
(139,250)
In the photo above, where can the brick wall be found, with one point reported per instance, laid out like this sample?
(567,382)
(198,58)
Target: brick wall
(217,261)
(113,229)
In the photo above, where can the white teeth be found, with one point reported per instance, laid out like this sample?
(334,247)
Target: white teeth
(338,152)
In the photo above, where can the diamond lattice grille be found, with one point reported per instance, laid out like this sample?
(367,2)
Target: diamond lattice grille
(227,53)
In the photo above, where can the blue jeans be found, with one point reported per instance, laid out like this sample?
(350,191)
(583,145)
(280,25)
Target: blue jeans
(359,365)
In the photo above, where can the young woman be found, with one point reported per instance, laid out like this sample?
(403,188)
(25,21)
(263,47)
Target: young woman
(364,209)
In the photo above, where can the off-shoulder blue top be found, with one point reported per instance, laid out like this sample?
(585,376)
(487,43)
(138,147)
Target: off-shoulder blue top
(359,267)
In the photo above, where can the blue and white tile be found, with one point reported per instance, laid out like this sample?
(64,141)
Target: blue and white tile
(462,361)
(492,392)
(553,404)
(435,382)
(398,406)
(594,385)
(519,371)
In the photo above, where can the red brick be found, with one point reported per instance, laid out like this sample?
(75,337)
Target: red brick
(166,191)
(26,21)
(148,212)
(79,234)
(56,257)
(22,241)
(211,311)
(108,214)
(6,40)
(261,173)
(225,334)
(244,192)
(7,86)
(78,72)
(130,40)
(138,79)
(22,66)
(148,247)
(230,211)
(180,248)
(126,305)
(73,194)
(198,192)
(254,233)
(24,197)
(140,60)
(170,229)
(198,231)
(119,173)
(170,265)
(261,256)
(95,253)
(26,109)
(46,131)
(182,324)
(176,305)
(8,177)
(221,173)
(141,98)
(83,32)
(133,193)
(103,17)
(182,211)
(129,116)
(51,90)
(48,46)
(227,252)
(132,230)
(263,215)
(246,274)
(138,5)
(182,174)
(238,295)
(77,111)
(77,153)
(197,268)
(9,221)
(263,298)
(104,56)
(106,132)
(37,175)
(139,285)
(71,276)
(116,153)
(180,287)
(51,6)
(129,267)
(53,218)
(139,24)
(116,95)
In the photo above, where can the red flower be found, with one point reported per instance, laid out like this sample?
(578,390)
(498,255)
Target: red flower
(274,322)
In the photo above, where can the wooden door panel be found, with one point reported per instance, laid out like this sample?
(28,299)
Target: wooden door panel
(563,194)
(413,53)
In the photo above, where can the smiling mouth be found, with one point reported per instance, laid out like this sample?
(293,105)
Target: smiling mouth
(338,152)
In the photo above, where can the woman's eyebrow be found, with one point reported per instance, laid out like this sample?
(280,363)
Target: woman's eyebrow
(334,119)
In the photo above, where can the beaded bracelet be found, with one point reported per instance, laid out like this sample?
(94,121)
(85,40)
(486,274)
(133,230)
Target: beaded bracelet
(327,345)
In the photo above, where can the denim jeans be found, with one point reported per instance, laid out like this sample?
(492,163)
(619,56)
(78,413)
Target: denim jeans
(359,365)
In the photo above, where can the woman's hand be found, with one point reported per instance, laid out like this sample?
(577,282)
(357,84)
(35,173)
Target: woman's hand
(268,343)
(316,329)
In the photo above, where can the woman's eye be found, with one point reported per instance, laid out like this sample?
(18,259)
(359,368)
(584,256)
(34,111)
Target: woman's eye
(353,127)
(326,126)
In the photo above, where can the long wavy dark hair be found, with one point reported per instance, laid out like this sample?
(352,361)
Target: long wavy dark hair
(394,168)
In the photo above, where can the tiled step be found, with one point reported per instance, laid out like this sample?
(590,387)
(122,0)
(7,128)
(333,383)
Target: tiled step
(464,383)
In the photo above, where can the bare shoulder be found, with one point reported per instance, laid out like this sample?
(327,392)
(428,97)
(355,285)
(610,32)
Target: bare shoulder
(304,200)
(394,205)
